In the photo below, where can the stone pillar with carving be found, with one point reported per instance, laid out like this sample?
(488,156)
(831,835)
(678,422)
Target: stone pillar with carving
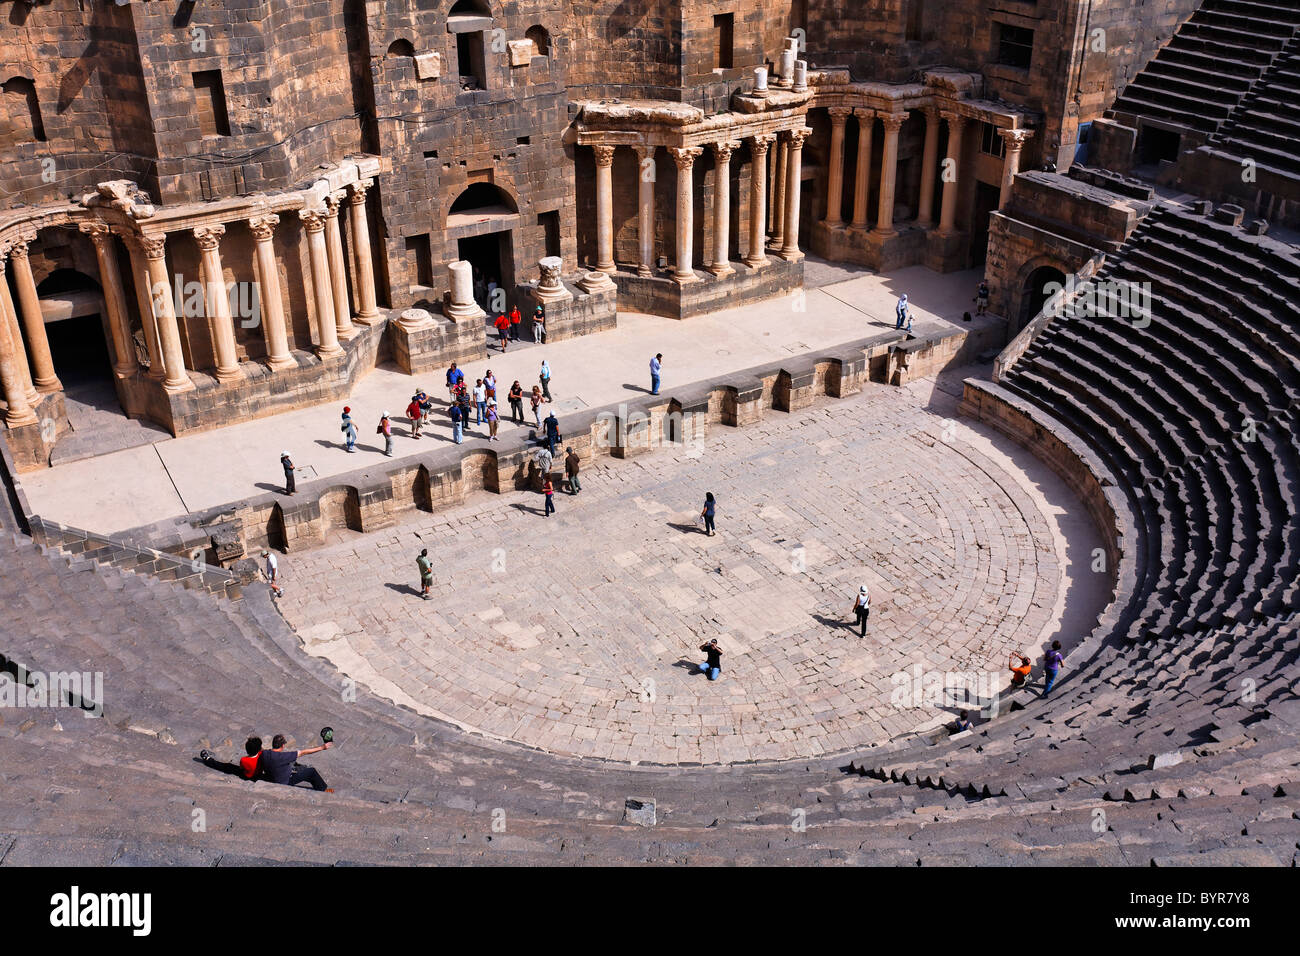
(216,306)
(322,294)
(892,123)
(175,378)
(110,280)
(604,208)
(777,192)
(929,161)
(29,305)
(359,232)
(269,297)
(144,304)
(755,254)
(862,177)
(645,204)
(338,268)
(835,175)
(722,207)
(1015,140)
(685,158)
(21,363)
(948,208)
(549,287)
(18,411)
(794,181)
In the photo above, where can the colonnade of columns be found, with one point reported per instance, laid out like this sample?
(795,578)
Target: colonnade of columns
(887,177)
(27,369)
(784,243)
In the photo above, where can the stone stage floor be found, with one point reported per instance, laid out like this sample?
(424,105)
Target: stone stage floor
(577,633)
(162,477)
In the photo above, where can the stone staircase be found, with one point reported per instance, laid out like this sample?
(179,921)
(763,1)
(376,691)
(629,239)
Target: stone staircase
(1265,126)
(1210,65)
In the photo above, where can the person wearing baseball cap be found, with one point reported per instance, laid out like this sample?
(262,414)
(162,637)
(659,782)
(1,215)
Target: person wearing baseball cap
(290,486)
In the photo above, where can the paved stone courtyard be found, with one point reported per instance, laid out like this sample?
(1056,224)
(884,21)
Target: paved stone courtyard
(577,634)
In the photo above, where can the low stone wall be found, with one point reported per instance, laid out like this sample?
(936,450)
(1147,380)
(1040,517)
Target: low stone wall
(585,313)
(660,295)
(436,347)
(921,358)
(30,445)
(1087,476)
(907,247)
(367,499)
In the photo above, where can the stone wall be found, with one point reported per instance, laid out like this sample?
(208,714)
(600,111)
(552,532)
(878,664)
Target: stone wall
(663,296)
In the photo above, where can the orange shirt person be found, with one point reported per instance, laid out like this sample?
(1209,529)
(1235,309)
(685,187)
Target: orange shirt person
(515,319)
(1018,672)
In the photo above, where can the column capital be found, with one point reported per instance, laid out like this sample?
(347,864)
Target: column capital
(1015,138)
(153,246)
(758,145)
(604,155)
(722,151)
(838,114)
(97,230)
(644,151)
(931,114)
(796,137)
(357,192)
(864,116)
(333,202)
(263,227)
(893,122)
(313,220)
(18,247)
(685,156)
(209,237)
(954,119)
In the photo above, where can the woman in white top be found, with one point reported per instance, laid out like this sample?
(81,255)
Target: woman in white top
(862,609)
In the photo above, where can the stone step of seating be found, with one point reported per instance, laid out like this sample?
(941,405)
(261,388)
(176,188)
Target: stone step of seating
(1248,24)
(1162,87)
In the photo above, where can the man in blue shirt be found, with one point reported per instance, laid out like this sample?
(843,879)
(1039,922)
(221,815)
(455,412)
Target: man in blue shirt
(656,365)
(281,766)
(454,377)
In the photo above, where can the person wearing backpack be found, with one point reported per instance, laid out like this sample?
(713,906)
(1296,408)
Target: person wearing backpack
(348,429)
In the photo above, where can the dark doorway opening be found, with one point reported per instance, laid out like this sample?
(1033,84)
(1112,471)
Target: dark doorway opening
(1155,145)
(80,351)
(1042,284)
(550,223)
(491,260)
(986,201)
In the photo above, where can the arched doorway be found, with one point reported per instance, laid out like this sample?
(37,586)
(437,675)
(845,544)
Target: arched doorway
(73,305)
(1042,283)
(483,219)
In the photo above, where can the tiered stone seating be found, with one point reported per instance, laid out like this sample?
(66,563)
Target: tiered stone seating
(1207,68)
(1265,126)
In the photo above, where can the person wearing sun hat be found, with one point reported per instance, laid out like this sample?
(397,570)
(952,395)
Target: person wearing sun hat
(862,608)
(290,486)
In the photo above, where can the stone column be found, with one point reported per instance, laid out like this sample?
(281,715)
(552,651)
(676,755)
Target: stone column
(367,312)
(722,207)
(22,366)
(19,411)
(685,158)
(550,288)
(461,306)
(929,159)
(793,179)
(144,302)
(778,192)
(604,208)
(29,304)
(892,122)
(110,280)
(645,198)
(338,268)
(862,177)
(948,207)
(755,254)
(269,298)
(314,222)
(835,177)
(216,306)
(175,378)
(1015,139)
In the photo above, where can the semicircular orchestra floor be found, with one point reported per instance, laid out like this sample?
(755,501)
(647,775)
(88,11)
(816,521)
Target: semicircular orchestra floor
(577,633)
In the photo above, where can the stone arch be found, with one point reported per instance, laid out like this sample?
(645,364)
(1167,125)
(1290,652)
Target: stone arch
(470,8)
(483,196)
(1034,276)
(401,47)
(541,38)
(24,111)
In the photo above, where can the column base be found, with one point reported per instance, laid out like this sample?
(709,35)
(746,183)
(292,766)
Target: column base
(280,364)
(348,334)
(18,420)
(685,278)
(644,271)
(608,268)
(367,318)
(759,263)
(125,371)
(172,388)
(226,376)
(48,385)
(328,353)
(33,397)
(791,255)
(837,224)
(722,271)
(464,312)
(882,234)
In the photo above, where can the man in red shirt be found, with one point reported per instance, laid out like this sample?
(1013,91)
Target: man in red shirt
(515,319)
(503,329)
